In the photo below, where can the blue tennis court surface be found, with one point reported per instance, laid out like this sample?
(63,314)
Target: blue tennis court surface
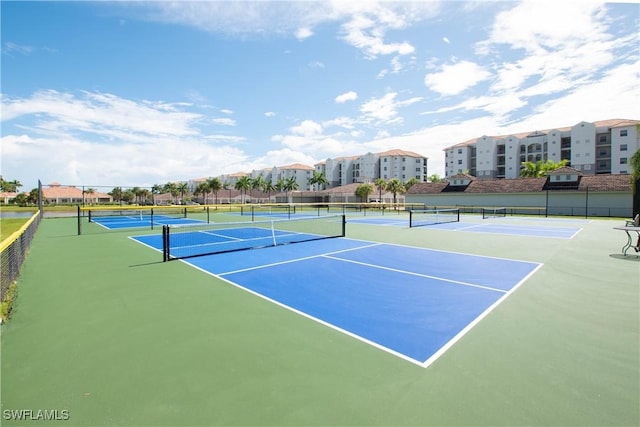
(496,226)
(411,302)
(139,221)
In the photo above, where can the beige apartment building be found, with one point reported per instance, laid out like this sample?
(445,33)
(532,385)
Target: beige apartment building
(601,147)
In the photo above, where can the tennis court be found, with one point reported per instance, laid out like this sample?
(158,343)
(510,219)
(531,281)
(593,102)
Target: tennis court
(386,326)
(411,302)
(140,221)
(451,220)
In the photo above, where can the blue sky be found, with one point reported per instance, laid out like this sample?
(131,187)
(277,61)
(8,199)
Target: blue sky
(142,93)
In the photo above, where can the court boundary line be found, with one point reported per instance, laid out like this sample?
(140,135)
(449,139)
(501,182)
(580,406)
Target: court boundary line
(289,261)
(442,350)
(395,270)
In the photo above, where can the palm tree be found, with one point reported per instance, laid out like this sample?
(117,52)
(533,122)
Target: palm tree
(410,183)
(135,191)
(435,178)
(171,188)
(635,181)
(291,184)
(381,185)
(395,186)
(182,188)
(116,194)
(201,189)
(363,191)
(540,168)
(156,189)
(318,179)
(281,185)
(90,192)
(243,184)
(257,183)
(214,186)
(268,187)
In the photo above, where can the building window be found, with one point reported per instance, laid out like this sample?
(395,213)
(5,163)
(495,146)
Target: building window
(603,138)
(623,147)
(418,170)
(403,168)
(417,160)
(459,150)
(623,132)
(459,162)
(385,168)
(623,160)
(385,160)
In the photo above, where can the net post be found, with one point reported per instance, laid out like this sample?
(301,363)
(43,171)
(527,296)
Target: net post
(165,243)
(344,226)
(152,218)
(208,221)
(410,218)
(79,222)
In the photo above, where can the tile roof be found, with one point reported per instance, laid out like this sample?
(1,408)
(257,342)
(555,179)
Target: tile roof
(400,153)
(565,170)
(520,185)
(428,187)
(298,166)
(527,185)
(605,183)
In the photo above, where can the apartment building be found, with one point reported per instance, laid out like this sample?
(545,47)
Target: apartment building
(400,164)
(601,147)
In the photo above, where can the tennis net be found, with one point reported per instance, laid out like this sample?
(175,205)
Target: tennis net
(275,210)
(494,213)
(185,241)
(138,213)
(422,217)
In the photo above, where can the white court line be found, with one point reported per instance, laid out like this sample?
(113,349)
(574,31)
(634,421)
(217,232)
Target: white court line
(423,364)
(457,282)
(475,321)
(297,259)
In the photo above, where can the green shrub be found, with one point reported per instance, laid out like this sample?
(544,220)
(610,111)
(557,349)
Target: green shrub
(7,303)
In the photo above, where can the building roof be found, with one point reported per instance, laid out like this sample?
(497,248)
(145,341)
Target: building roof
(527,185)
(399,153)
(605,183)
(58,191)
(298,166)
(428,187)
(565,170)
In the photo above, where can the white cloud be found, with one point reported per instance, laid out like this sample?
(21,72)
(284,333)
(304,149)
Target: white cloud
(269,114)
(303,33)
(224,121)
(347,96)
(456,78)
(520,27)
(307,128)
(446,40)
(11,47)
(365,25)
(384,110)
(102,139)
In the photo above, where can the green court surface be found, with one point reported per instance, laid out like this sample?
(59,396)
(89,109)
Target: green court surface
(105,331)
